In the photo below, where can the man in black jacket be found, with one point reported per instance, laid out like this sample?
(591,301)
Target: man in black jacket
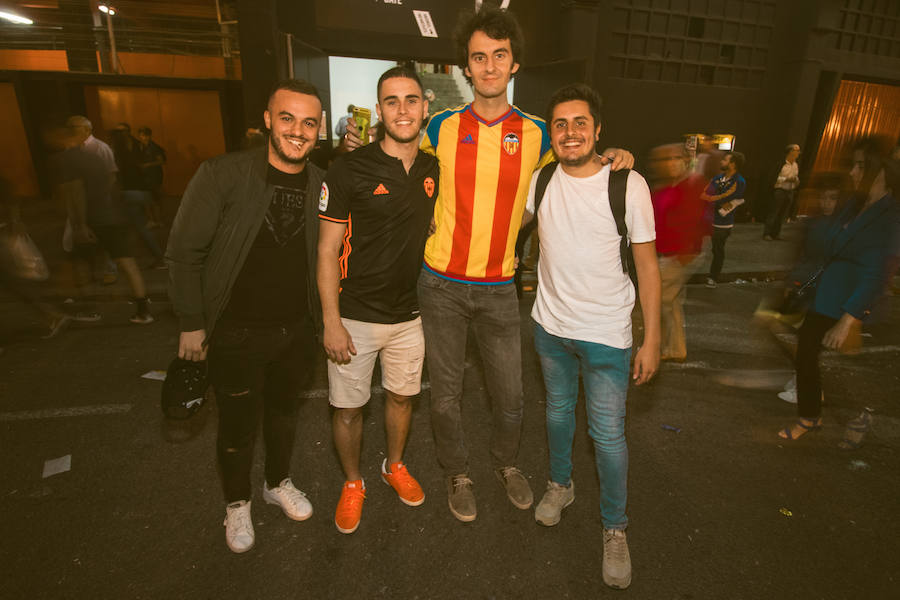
(242,257)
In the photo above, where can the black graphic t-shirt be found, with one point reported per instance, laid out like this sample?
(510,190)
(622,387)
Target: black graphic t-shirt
(272,284)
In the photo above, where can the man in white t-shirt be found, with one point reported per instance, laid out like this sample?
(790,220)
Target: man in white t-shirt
(583,311)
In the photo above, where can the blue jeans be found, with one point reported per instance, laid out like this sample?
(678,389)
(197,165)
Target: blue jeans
(605,372)
(136,202)
(449,309)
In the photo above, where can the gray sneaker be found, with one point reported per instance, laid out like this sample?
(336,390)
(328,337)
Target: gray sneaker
(517,489)
(460,497)
(556,498)
(616,559)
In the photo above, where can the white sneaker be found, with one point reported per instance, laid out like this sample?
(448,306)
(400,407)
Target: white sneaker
(291,500)
(789,396)
(556,498)
(710,282)
(616,559)
(239,526)
(791,384)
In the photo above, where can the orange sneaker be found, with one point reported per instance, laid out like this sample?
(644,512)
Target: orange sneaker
(349,508)
(407,488)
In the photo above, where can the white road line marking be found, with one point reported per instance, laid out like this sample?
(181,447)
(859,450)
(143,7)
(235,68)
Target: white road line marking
(677,366)
(56,413)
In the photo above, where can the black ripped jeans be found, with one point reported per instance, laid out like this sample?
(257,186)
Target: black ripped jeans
(258,368)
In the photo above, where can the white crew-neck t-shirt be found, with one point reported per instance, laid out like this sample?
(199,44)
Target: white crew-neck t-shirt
(583,294)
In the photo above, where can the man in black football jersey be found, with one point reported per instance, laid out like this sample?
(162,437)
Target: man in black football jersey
(375,208)
(242,256)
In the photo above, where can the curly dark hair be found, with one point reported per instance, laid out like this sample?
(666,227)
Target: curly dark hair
(496,24)
(576,91)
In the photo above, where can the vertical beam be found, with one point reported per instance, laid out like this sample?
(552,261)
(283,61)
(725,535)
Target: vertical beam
(579,20)
(262,55)
(81,51)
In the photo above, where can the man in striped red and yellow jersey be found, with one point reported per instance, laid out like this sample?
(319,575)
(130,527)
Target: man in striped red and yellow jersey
(487,150)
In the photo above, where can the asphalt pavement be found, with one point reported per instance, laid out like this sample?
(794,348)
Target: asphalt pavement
(719,506)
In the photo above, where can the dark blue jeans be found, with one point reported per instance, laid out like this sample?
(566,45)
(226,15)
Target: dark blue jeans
(449,309)
(136,202)
(259,368)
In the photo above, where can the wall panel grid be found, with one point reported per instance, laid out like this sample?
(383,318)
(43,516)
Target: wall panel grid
(868,27)
(706,42)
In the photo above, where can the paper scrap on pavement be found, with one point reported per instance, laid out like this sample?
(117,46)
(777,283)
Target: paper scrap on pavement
(155,375)
(786,512)
(55,466)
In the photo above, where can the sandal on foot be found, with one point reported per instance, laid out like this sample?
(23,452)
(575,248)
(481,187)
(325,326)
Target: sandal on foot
(853,437)
(787,432)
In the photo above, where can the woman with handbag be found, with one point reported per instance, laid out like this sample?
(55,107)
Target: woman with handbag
(843,290)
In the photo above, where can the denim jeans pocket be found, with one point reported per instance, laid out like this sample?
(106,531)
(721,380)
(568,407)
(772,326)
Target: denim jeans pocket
(432,281)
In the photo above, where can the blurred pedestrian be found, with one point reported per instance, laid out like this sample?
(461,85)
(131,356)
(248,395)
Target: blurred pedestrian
(135,193)
(82,128)
(341,128)
(98,218)
(783,193)
(151,158)
(725,193)
(22,264)
(849,277)
(680,227)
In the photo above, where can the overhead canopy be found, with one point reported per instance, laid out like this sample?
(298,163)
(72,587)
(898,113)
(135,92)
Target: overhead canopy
(388,29)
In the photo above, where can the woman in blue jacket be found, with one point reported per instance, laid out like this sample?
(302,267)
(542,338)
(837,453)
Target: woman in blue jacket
(856,247)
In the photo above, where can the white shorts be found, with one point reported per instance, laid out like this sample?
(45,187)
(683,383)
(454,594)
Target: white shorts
(401,348)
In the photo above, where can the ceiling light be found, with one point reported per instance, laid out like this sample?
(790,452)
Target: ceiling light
(13,18)
(107,9)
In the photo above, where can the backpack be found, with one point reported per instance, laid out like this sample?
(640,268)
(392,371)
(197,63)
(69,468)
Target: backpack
(618,183)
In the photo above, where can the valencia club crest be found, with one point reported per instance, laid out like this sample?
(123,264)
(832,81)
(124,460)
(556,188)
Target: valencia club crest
(511,143)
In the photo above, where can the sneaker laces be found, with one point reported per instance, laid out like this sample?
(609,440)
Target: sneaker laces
(556,489)
(240,519)
(615,546)
(507,472)
(461,481)
(353,497)
(402,477)
(290,493)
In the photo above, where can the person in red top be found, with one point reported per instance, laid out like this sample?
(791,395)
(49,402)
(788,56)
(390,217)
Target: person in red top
(680,228)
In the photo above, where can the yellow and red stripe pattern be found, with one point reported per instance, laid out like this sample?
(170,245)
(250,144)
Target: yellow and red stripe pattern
(486,169)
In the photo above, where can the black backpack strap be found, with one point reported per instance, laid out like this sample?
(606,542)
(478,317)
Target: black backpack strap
(543,181)
(618,184)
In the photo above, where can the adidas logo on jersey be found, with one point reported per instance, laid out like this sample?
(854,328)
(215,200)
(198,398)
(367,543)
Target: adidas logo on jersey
(380,190)
(468,139)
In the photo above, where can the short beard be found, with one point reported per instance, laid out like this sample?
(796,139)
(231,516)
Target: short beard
(577,162)
(580,161)
(275,144)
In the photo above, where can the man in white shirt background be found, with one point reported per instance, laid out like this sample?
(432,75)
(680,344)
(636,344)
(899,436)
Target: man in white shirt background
(785,187)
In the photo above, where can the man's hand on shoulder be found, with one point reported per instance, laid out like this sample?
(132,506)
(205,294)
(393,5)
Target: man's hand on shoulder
(338,344)
(619,158)
(190,345)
